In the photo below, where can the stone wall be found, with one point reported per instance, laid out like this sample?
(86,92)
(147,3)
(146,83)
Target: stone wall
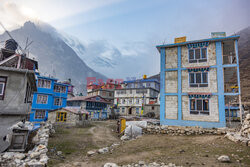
(35,157)
(171,107)
(171,82)
(213,110)
(178,130)
(71,118)
(171,57)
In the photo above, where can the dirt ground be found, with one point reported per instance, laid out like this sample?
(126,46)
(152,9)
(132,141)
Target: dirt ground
(180,150)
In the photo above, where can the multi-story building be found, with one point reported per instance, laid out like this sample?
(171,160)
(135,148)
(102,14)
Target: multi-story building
(50,95)
(134,94)
(198,78)
(96,106)
(105,90)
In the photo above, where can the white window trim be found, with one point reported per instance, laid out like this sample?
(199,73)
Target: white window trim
(42,103)
(201,79)
(2,91)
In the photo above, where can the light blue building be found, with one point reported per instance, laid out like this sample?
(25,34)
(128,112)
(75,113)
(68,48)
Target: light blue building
(198,79)
(50,95)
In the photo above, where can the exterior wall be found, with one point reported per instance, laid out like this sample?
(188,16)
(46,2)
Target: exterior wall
(213,111)
(156,110)
(211,57)
(171,82)
(171,58)
(15,90)
(171,107)
(212,82)
(70,119)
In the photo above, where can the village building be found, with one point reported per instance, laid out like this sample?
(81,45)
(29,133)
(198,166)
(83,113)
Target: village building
(105,90)
(135,94)
(198,79)
(68,115)
(50,95)
(96,106)
(17,84)
(70,88)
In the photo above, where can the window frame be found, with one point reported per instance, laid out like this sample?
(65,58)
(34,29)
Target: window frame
(36,111)
(45,84)
(196,111)
(59,103)
(43,96)
(4,83)
(202,84)
(201,59)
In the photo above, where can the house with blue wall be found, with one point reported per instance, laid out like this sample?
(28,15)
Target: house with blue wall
(198,79)
(50,95)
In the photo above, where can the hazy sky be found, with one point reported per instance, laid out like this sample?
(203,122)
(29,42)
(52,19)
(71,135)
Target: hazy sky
(134,27)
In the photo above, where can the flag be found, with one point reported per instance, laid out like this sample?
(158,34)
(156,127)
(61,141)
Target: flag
(142,109)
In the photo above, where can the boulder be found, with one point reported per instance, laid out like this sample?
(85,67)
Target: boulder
(224,158)
(110,165)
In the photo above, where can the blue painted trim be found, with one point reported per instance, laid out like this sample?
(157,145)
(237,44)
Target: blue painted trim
(231,94)
(162,86)
(238,67)
(171,94)
(179,84)
(204,124)
(202,40)
(229,65)
(220,82)
(171,69)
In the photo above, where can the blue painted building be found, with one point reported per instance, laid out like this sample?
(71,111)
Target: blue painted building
(198,78)
(50,95)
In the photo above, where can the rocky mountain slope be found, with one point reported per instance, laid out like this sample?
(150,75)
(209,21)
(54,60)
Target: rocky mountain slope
(55,57)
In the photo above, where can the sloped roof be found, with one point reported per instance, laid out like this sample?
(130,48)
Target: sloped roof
(95,98)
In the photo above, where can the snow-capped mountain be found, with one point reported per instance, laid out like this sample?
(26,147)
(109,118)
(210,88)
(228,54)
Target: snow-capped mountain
(55,57)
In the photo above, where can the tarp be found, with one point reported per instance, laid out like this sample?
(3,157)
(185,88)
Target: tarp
(142,124)
(133,131)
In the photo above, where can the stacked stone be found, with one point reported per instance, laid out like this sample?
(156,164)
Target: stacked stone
(243,135)
(142,164)
(179,130)
(35,157)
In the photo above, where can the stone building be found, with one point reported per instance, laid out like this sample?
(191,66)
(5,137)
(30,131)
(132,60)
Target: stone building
(134,94)
(197,80)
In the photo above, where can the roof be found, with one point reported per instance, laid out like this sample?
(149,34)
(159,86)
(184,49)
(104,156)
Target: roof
(43,77)
(196,41)
(142,80)
(89,98)
(76,110)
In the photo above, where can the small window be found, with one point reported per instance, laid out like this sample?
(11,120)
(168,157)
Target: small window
(137,110)
(3,81)
(199,106)
(191,54)
(61,116)
(197,55)
(40,114)
(57,101)
(198,79)
(123,110)
(153,107)
(44,83)
(204,53)
(42,99)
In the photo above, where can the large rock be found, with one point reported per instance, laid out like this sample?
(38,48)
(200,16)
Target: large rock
(110,165)
(224,158)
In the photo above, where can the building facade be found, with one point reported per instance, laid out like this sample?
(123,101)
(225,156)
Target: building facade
(96,106)
(50,95)
(197,80)
(134,94)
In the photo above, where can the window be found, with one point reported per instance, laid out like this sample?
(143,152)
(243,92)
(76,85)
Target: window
(137,101)
(28,94)
(153,107)
(57,101)
(199,106)
(42,99)
(130,101)
(130,91)
(197,55)
(3,81)
(61,116)
(40,114)
(123,110)
(43,83)
(141,91)
(59,89)
(198,79)
(148,85)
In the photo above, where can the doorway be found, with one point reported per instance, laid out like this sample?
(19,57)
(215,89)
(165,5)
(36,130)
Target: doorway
(130,111)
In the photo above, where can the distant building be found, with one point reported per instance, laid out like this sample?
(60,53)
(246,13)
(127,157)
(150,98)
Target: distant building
(50,95)
(198,79)
(70,88)
(135,94)
(96,106)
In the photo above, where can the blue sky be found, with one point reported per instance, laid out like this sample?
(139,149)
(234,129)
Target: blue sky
(126,31)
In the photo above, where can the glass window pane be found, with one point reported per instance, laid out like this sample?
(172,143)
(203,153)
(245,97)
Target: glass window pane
(191,54)
(205,105)
(204,77)
(197,53)
(198,77)
(192,103)
(191,79)
(199,104)
(204,53)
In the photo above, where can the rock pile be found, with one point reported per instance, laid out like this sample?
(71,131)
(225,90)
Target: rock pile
(141,164)
(35,157)
(243,135)
(103,150)
(178,130)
